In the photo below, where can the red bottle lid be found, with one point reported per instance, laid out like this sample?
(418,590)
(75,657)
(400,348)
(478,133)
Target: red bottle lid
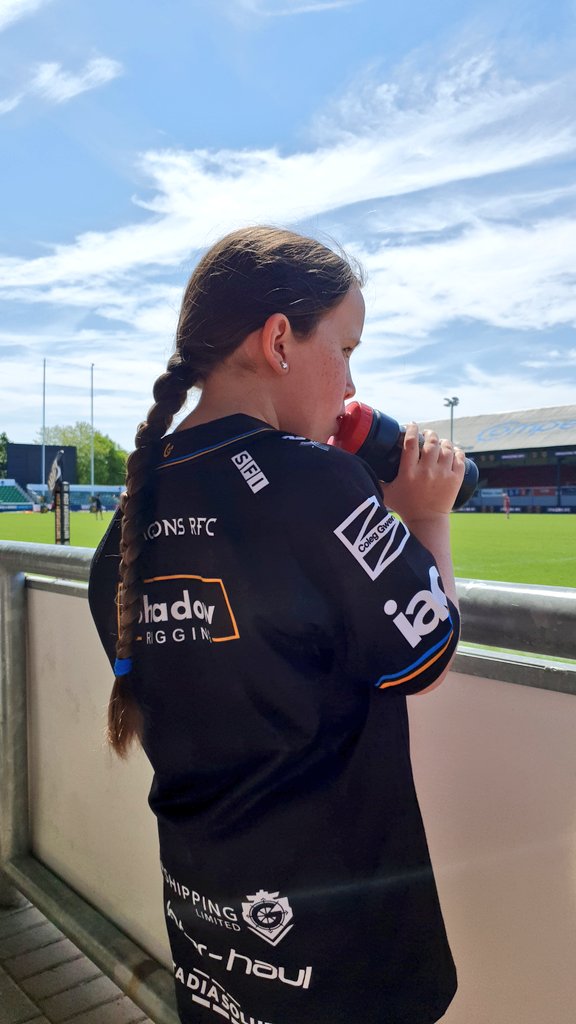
(354,427)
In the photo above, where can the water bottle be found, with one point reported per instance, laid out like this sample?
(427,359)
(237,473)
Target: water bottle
(379,440)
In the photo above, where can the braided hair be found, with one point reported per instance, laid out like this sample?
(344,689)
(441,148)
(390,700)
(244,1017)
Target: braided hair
(245,278)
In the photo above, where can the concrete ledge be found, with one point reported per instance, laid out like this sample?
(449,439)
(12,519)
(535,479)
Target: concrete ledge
(146,982)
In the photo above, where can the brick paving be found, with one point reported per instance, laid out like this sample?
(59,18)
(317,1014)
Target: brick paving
(46,979)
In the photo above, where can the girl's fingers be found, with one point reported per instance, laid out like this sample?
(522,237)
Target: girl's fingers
(460,461)
(431,448)
(447,450)
(411,446)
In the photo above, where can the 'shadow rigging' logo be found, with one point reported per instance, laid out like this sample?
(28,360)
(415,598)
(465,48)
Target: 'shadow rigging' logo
(268,915)
(183,607)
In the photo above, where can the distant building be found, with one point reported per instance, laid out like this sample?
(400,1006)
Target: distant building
(25,461)
(530,454)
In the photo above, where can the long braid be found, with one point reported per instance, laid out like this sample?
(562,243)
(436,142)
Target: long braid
(170,391)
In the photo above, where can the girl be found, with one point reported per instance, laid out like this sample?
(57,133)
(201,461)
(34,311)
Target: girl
(266,616)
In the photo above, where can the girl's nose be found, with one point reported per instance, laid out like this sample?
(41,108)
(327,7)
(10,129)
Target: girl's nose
(350,389)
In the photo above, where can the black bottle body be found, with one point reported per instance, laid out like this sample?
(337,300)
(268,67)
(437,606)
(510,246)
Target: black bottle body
(382,449)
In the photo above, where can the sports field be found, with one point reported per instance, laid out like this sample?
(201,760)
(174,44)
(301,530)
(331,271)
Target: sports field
(34,528)
(522,549)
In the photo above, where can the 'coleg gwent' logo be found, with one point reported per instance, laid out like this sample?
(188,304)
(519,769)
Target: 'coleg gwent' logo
(268,915)
(373,535)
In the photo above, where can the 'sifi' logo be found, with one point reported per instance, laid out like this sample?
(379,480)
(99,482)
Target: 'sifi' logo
(268,915)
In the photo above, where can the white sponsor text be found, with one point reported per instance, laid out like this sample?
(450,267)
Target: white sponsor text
(425,610)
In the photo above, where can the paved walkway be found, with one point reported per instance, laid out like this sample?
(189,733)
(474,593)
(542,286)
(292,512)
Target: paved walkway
(46,979)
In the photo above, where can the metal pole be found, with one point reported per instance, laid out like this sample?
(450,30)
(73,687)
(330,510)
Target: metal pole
(92,427)
(44,424)
(13,730)
(451,402)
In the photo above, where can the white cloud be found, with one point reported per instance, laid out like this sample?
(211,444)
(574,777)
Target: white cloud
(419,180)
(508,276)
(200,194)
(54,84)
(6,106)
(401,394)
(13,10)
(552,360)
(125,365)
(282,8)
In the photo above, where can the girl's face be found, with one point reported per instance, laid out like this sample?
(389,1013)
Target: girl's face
(319,374)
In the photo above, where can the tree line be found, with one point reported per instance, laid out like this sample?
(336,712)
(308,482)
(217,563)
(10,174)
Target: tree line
(109,457)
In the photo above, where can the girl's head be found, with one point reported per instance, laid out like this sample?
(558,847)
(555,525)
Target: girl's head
(247,277)
(302,304)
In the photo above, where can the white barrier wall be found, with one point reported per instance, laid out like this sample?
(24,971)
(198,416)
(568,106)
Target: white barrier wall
(495,766)
(90,822)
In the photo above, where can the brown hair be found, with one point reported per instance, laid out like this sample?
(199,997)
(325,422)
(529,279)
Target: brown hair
(241,281)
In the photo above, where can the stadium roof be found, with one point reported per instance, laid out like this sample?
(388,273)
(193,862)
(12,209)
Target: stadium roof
(532,428)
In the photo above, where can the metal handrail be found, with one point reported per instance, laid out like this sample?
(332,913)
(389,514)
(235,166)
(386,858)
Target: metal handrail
(58,561)
(520,616)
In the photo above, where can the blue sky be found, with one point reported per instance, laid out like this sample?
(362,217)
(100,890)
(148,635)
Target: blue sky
(436,144)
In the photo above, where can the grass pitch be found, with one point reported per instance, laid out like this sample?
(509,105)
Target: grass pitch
(85,530)
(523,549)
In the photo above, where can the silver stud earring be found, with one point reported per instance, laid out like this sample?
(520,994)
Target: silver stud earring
(284,365)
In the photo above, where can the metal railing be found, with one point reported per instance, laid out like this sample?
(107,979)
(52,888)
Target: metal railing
(537,623)
(534,626)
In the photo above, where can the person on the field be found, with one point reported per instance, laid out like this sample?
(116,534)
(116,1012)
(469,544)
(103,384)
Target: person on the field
(266,617)
(506,500)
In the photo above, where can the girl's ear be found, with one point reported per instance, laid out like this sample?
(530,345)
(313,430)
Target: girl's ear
(275,339)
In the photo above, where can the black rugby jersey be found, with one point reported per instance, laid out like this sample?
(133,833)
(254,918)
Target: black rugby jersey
(285,615)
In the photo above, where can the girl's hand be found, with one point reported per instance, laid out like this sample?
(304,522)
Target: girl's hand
(428,480)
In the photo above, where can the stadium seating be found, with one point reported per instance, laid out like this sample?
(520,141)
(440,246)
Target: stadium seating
(81,495)
(526,476)
(12,494)
(83,499)
(80,499)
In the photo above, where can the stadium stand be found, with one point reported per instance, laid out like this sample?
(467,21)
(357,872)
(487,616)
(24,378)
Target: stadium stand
(24,461)
(81,496)
(523,476)
(531,455)
(12,497)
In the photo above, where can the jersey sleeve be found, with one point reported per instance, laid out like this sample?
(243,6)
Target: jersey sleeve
(400,629)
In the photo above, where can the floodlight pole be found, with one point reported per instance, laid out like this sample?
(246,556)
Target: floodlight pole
(451,402)
(92,427)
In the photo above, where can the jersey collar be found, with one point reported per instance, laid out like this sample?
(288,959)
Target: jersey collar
(194,442)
